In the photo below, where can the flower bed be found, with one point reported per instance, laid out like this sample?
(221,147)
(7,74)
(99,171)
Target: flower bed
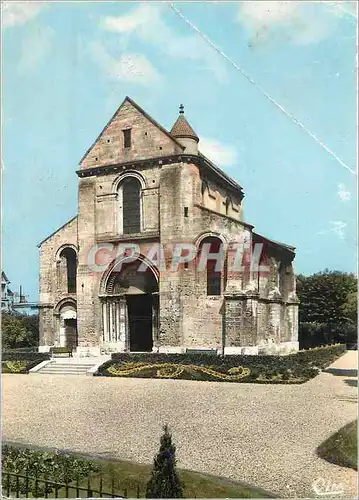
(21,362)
(294,368)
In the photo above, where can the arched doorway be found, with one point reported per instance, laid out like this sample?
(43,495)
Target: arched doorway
(130,306)
(68,326)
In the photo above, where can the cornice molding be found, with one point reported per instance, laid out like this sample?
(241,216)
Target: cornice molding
(206,167)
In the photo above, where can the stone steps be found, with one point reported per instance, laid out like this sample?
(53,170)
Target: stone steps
(55,368)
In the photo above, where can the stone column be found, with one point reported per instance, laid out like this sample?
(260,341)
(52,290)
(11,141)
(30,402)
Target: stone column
(274,321)
(123,328)
(57,330)
(62,335)
(232,324)
(119,211)
(117,310)
(155,318)
(104,322)
(235,269)
(111,332)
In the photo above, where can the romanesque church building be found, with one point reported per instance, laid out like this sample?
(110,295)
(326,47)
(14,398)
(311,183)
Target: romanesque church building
(145,188)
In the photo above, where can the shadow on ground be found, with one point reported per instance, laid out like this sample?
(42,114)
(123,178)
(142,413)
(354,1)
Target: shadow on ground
(351,382)
(348,399)
(342,373)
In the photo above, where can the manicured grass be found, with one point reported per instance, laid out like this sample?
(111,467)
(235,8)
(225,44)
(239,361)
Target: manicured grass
(342,447)
(129,476)
(123,478)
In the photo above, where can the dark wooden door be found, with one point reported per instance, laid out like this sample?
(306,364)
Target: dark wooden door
(140,322)
(71,333)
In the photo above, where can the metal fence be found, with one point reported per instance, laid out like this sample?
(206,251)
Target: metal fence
(24,486)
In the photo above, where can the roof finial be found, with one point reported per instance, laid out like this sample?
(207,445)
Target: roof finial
(181,109)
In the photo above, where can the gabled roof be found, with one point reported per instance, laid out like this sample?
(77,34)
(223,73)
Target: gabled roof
(54,232)
(289,248)
(4,278)
(140,110)
(220,172)
(181,128)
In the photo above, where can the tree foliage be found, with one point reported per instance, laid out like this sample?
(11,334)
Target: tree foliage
(164,481)
(19,330)
(350,307)
(328,307)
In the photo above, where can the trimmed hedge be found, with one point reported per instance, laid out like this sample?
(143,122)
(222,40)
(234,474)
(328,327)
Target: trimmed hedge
(21,362)
(21,349)
(321,357)
(294,368)
(14,355)
(318,357)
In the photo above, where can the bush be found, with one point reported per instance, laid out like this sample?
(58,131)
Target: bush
(319,334)
(19,330)
(342,447)
(320,357)
(312,335)
(15,355)
(57,467)
(21,350)
(200,359)
(164,481)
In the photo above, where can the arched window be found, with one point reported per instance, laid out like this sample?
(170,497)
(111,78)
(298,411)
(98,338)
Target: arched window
(69,264)
(211,253)
(129,206)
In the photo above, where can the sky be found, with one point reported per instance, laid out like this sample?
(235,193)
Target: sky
(67,66)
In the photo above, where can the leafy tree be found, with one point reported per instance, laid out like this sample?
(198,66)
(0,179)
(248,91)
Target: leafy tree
(164,481)
(31,323)
(328,308)
(13,331)
(350,307)
(19,330)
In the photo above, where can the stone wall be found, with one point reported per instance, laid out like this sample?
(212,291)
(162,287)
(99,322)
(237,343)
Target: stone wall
(52,286)
(215,198)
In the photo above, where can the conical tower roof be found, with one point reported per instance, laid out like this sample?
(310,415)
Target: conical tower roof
(182,128)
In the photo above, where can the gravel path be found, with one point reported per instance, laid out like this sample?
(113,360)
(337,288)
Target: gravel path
(265,435)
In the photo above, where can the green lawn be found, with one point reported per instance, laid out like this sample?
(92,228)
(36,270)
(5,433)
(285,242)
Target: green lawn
(342,447)
(128,476)
(112,477)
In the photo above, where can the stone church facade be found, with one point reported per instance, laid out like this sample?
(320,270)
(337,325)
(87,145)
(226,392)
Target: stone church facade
(125,274)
